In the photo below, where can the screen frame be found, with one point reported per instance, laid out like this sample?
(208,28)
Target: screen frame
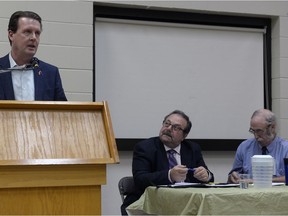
(186,17)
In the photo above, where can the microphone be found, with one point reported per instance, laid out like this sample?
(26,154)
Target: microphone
(33,64)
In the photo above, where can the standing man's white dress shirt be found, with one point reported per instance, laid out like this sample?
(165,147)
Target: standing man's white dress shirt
(23,82)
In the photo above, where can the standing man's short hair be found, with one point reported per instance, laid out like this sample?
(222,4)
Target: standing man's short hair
(13,22)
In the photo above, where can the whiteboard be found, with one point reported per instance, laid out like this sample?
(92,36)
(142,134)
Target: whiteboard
(145,70)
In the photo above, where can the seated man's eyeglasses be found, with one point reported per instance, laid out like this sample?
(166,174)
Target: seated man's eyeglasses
(258,131)
(175,127)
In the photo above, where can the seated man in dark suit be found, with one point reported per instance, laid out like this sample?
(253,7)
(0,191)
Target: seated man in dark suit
(153,164)
(38,80)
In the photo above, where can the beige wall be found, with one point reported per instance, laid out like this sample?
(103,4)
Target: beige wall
(67,41)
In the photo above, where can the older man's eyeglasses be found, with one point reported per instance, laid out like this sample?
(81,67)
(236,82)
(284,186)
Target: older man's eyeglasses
(258,131)
(175,127)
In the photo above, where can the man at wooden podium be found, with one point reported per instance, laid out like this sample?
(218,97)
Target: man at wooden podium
(23,76)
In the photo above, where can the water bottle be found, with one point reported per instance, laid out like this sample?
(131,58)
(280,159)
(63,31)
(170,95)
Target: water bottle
(262,170)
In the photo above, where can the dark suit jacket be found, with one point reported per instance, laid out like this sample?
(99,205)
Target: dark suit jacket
(47,81)
(150,165)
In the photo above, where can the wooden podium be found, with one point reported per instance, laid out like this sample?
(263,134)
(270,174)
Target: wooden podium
(53,157)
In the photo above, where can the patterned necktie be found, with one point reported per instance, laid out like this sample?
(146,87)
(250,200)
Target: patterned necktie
(171,158)
(264,150)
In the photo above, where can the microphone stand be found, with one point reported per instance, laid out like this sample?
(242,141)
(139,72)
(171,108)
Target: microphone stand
(22,67)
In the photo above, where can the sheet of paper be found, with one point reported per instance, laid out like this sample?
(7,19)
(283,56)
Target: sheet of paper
(188,184)
(222,185)
(277,183)
(210,185)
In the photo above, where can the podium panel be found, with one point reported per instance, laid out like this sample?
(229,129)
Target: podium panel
(51,201)
(54,156)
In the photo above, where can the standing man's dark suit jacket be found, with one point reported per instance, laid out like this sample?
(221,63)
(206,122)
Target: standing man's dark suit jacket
(150,165)
(47,80)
